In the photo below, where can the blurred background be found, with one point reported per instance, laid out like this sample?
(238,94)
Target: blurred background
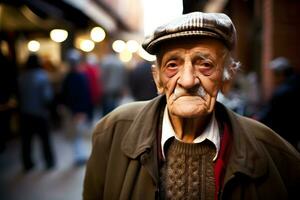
(66,63)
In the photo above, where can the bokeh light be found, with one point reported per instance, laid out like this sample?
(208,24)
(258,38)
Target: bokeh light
(125,56)
(132,46)
(119,46)
(33,46)
(98,34)
(87,45)
(58,35)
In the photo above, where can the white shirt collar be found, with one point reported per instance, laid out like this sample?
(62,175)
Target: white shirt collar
(211,132)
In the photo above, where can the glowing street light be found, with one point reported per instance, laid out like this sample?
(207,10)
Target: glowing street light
(132,46)
(97,34)
(33,46)
(87,45)
(125,56)
(119,46)
(58,35)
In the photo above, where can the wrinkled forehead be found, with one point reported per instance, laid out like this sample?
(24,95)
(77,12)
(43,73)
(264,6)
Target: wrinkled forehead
(209,44)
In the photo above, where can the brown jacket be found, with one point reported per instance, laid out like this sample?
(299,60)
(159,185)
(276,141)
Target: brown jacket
(123,163)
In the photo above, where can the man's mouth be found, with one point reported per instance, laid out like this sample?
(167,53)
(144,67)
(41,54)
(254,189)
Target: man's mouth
(180,92)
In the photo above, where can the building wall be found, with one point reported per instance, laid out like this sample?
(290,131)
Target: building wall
(242,13)
(130,11)
(281,31)
(286,30)
(266,29)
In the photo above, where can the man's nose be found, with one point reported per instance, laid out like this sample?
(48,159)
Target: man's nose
(188,78)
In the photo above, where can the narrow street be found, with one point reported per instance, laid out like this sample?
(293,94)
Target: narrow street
(64,182)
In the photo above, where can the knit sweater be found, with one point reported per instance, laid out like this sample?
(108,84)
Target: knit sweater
(188,172)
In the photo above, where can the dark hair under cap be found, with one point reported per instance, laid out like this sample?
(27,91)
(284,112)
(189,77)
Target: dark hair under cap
(215,25)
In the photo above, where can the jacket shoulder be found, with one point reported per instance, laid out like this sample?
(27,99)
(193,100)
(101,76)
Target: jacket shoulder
(127,111)
(123,113)
(269,138)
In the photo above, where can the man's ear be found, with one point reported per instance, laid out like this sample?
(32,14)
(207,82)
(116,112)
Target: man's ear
(226,86)
(157,80)
(227,81)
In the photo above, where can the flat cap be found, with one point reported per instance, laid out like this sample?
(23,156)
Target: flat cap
(215,25)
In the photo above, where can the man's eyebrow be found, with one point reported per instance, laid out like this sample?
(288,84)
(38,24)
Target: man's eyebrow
(203,56)
(171,56)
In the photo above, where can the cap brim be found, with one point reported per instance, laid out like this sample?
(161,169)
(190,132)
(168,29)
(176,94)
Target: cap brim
(153,45)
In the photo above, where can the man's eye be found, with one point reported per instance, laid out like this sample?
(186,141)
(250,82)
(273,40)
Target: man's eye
(203,63)
(206,64)
(171,65)
(171,68)
(206,68)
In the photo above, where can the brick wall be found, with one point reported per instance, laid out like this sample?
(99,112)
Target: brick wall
(286,30)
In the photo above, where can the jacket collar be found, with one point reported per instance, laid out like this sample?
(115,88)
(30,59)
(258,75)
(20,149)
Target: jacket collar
(141,138)
(246,156)
(141,135)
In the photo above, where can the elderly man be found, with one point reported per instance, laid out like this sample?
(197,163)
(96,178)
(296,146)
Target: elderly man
(183,144)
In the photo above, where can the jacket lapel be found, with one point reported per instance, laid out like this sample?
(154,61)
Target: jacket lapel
(246,156)
(140,140)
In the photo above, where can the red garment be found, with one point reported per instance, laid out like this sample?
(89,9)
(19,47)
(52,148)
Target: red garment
(93,75)
(222,160)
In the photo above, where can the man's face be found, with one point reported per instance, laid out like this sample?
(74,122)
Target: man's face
(190,75)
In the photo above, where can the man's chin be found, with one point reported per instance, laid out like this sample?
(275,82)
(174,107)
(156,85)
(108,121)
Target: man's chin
(189,100)
(188,110)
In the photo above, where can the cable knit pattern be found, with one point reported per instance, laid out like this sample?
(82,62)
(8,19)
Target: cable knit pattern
(189,171)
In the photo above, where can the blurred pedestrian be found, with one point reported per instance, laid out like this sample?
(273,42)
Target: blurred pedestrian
(279,111)
(8,95)
(77,98)
(90,67)
(35,97)
(141,82)
(114,77)
(55,74)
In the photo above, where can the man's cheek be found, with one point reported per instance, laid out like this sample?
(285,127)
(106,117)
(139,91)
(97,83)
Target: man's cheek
(212,90)
(169,85)
(211,84)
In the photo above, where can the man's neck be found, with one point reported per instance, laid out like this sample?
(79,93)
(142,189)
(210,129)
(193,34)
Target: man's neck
(187,129)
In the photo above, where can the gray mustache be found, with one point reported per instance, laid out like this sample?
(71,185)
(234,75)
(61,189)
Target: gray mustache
(178,92)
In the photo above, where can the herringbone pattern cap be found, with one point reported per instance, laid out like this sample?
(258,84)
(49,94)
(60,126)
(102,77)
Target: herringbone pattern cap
(216,25)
